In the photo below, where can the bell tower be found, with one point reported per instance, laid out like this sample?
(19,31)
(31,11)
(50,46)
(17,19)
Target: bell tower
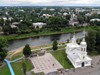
(83,49)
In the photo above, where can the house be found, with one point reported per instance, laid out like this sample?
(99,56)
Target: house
(77,54)
(40,24)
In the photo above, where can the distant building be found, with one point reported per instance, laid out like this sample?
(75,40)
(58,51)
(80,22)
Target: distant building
(13,26)
(52,9)
(10,18)
(40,24)
(15,23)
(4,18)
(44,9)
(95,11)
(21,10)
(46,15)
(73,20)
(88,14)
(95,19)
(77,54)
(65,14)
(80,10)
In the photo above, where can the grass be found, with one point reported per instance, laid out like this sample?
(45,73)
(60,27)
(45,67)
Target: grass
(59,47)
(5,70)
(17,66)
(17,55)
(61,56)
(39,47)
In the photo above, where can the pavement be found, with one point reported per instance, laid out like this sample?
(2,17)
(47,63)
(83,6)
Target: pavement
(46,64)
(95,70)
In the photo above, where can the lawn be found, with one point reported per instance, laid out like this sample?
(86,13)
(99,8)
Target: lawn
(17,55)
(62,58)
(39,47)
(59,47)
(5,70)
(17,66)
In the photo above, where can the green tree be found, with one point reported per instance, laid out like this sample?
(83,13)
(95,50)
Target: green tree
(91,40)
(3,48)
(68,17)
(27,50)
(55,47)
(97,45)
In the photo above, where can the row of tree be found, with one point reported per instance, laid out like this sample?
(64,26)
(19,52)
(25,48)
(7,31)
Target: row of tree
(93,40)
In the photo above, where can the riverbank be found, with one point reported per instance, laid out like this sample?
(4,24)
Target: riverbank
(46,32)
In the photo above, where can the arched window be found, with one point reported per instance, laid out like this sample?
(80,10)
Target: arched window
(84,49)
(81,49)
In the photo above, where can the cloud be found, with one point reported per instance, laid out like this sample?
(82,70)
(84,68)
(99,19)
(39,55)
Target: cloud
(49,2)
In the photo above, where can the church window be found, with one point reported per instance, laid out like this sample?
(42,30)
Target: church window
(84,49)
(81,49)
(83,57)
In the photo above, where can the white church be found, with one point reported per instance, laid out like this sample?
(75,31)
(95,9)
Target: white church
(77,54)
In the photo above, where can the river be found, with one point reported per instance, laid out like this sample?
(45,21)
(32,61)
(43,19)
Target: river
(40,40)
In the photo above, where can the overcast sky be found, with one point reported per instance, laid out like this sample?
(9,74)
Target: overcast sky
(49,2)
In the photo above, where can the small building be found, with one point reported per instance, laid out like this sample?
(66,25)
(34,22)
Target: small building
(77,54)
(40,24)
(13,26)
(88,14)
(4,18)
(95,19)
(65,14)
(10,18)
(15,23)
(46,15)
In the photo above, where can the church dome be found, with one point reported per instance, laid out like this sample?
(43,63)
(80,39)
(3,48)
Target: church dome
(83,43)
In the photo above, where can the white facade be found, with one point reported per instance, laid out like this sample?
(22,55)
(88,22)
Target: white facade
(40,24)
(77,54)
(96,19)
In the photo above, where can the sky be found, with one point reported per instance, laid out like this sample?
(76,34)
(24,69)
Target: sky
(49,2)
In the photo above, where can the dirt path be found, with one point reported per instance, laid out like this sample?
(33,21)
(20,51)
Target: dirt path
(11,53)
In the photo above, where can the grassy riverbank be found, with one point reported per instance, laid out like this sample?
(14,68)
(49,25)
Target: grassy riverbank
(46,32)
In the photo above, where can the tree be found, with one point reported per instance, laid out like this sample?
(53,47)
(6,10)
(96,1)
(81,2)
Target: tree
(3,48)
(7,29)
(91,40)
(68,17)
(97,45)
(55,45)
(24,68)
(27,50)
